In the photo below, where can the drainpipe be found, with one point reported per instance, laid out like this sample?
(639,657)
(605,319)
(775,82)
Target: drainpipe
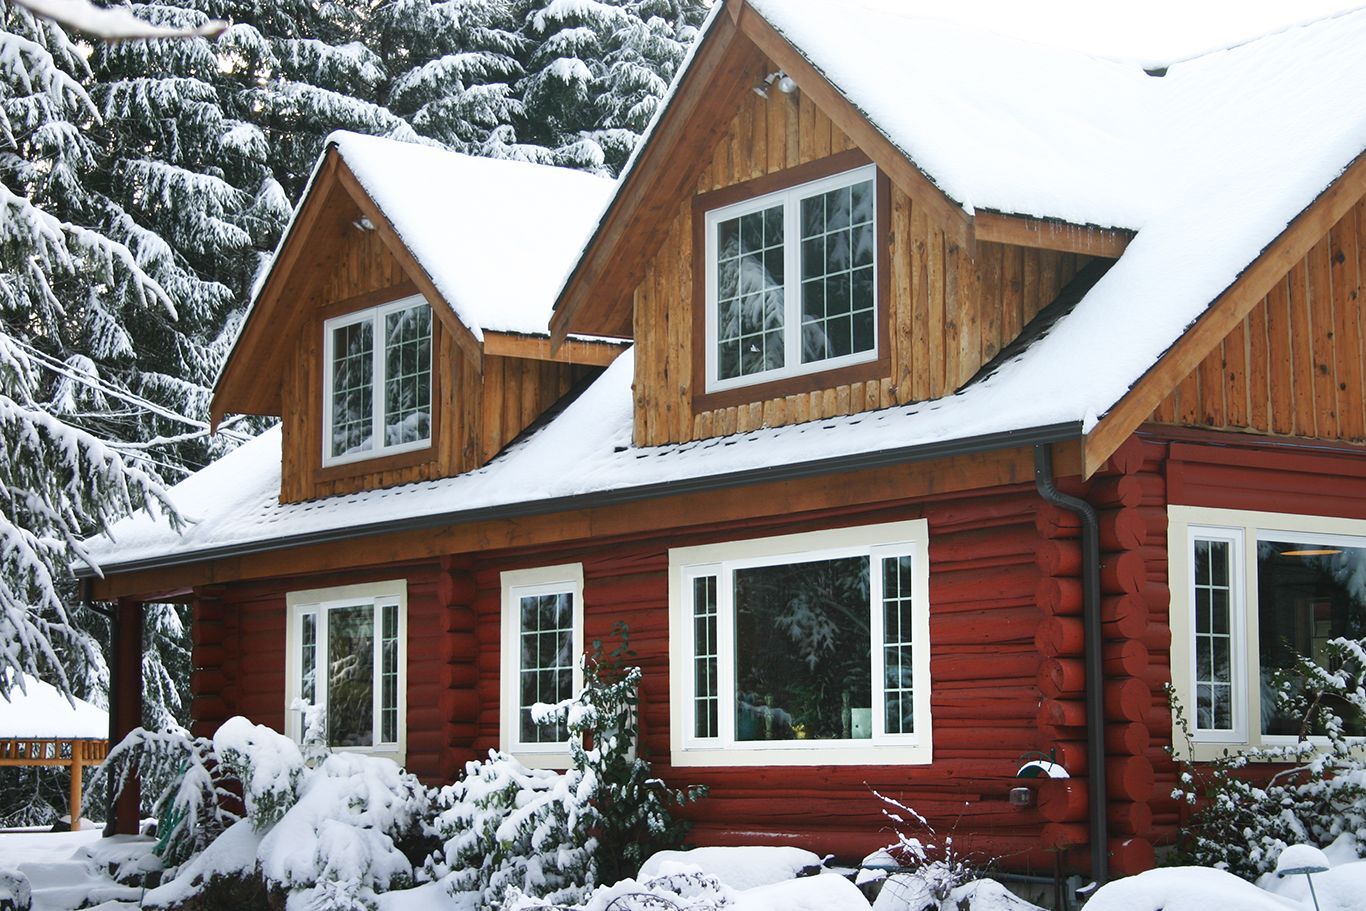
(1095,677)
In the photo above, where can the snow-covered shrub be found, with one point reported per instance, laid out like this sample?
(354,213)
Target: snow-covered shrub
(15,892)
(504,826)
(937,869)
(188,787)
(1243,820)
(633,811)
(339,841)
(268,765)
(686,891)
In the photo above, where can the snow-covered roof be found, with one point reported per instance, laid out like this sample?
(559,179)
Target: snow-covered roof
(38,710)
(494,236)
(1209,163)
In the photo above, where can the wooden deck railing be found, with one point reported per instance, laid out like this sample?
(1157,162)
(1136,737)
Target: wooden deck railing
(75,754)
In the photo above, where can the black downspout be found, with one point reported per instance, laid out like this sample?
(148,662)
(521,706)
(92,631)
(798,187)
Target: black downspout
(87,588)
(1095,677)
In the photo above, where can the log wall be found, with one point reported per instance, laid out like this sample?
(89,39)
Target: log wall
(1293,367)
(948,312)
(474,415)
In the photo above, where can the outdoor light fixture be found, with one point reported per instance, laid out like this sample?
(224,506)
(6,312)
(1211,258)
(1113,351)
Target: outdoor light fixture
(1305,859)
(786,84)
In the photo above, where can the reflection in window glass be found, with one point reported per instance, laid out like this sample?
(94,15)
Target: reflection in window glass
(838,299)
(408,375)
(1307,594)
(1213,635)
(803,651)
(352,388)
(546,673)
(897,645)
(706,721)
(351,676)
(308,658)
(750,293)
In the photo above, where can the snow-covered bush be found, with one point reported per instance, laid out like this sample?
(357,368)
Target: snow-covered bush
(937,870)
(15,892)
(1243,820)
(633,811)
(684,891)
(268,765)
(188,787)
(506,826)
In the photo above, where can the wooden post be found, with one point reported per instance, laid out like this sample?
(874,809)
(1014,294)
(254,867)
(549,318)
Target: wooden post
(127,708)
(77,747)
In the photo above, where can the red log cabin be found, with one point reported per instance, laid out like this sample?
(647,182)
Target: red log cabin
(916,414)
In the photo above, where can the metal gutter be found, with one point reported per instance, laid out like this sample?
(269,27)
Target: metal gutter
(1010,439)
(1095,671)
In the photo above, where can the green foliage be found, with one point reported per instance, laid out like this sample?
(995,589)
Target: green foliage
(1243,816)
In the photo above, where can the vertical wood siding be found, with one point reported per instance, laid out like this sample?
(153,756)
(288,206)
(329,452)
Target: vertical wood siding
(474,416)
(948,313)
(1293,367)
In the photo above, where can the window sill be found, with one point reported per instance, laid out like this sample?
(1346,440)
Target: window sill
(879,367)
(374,464)
(536,760)
(842,755)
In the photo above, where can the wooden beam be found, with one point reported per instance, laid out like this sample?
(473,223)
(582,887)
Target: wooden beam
(539,348)
(855,489)
(462,335)
(1051,234)
(1227,311)
(903,172)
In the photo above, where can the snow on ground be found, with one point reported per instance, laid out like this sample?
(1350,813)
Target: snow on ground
(68,870)
(37,709)
(739,867)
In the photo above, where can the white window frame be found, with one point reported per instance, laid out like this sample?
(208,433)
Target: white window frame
(791,198)
(318,602)
(517,584)
(909,538)
(375,316)
(1244,528)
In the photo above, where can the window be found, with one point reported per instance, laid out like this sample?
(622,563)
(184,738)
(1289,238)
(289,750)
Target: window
(792,281)
(378,384)
(542,642)
(802,649)
(1252,594)
(347,655)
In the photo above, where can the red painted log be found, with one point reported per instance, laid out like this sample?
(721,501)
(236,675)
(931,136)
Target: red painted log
(1061,835)
(1053,522)
(1129,699)
(975,665)
(1062,677)
(1059,637)
(1128,658)
(978,544)
(1058,557)
(1059,596)
(992,583)
(1131,855)
(1061,713)
(954,739)
(208,680)
(1129,818)
(1158,637)
(1062,800)
(1116,491)
(1122,529)
(1123,573)
(456,587)
(983,626)
(1129,778)
(1123,617)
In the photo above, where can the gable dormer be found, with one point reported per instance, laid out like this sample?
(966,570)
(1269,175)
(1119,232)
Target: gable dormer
(777,260)
(400,334)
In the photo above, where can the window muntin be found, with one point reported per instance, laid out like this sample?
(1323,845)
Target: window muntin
(346,656)
(542,642)
(777,636)
(791,281)
(378,389)
(1260,590)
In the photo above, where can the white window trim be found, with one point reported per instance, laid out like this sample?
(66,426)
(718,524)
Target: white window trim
(374,315)
(1246,528)
(875,541)
(516,584)
(318,601)
(792,303)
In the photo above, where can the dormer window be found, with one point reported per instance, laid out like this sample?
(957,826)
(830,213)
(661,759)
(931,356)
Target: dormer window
(792,281)
(378,385)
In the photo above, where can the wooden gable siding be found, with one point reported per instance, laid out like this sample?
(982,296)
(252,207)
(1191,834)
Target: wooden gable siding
(474,416)
(1293,365)
(948,313)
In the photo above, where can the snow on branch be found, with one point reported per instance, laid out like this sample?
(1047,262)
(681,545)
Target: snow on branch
(114,23)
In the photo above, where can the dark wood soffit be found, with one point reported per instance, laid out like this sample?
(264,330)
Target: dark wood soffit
(1051,234)
(1227,311)
(589,352)
(243,387)
(855,489)
(597,298)
(415,271)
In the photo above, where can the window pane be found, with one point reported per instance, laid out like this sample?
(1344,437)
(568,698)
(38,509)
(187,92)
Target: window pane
(1213,665)
(750,293)
(706,701)
(388,704)
(898,648)
(546,673)
(838,245)
(351,676)
(1307,595)
(803,667)
(408,375)
(352,388)
(308,659)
